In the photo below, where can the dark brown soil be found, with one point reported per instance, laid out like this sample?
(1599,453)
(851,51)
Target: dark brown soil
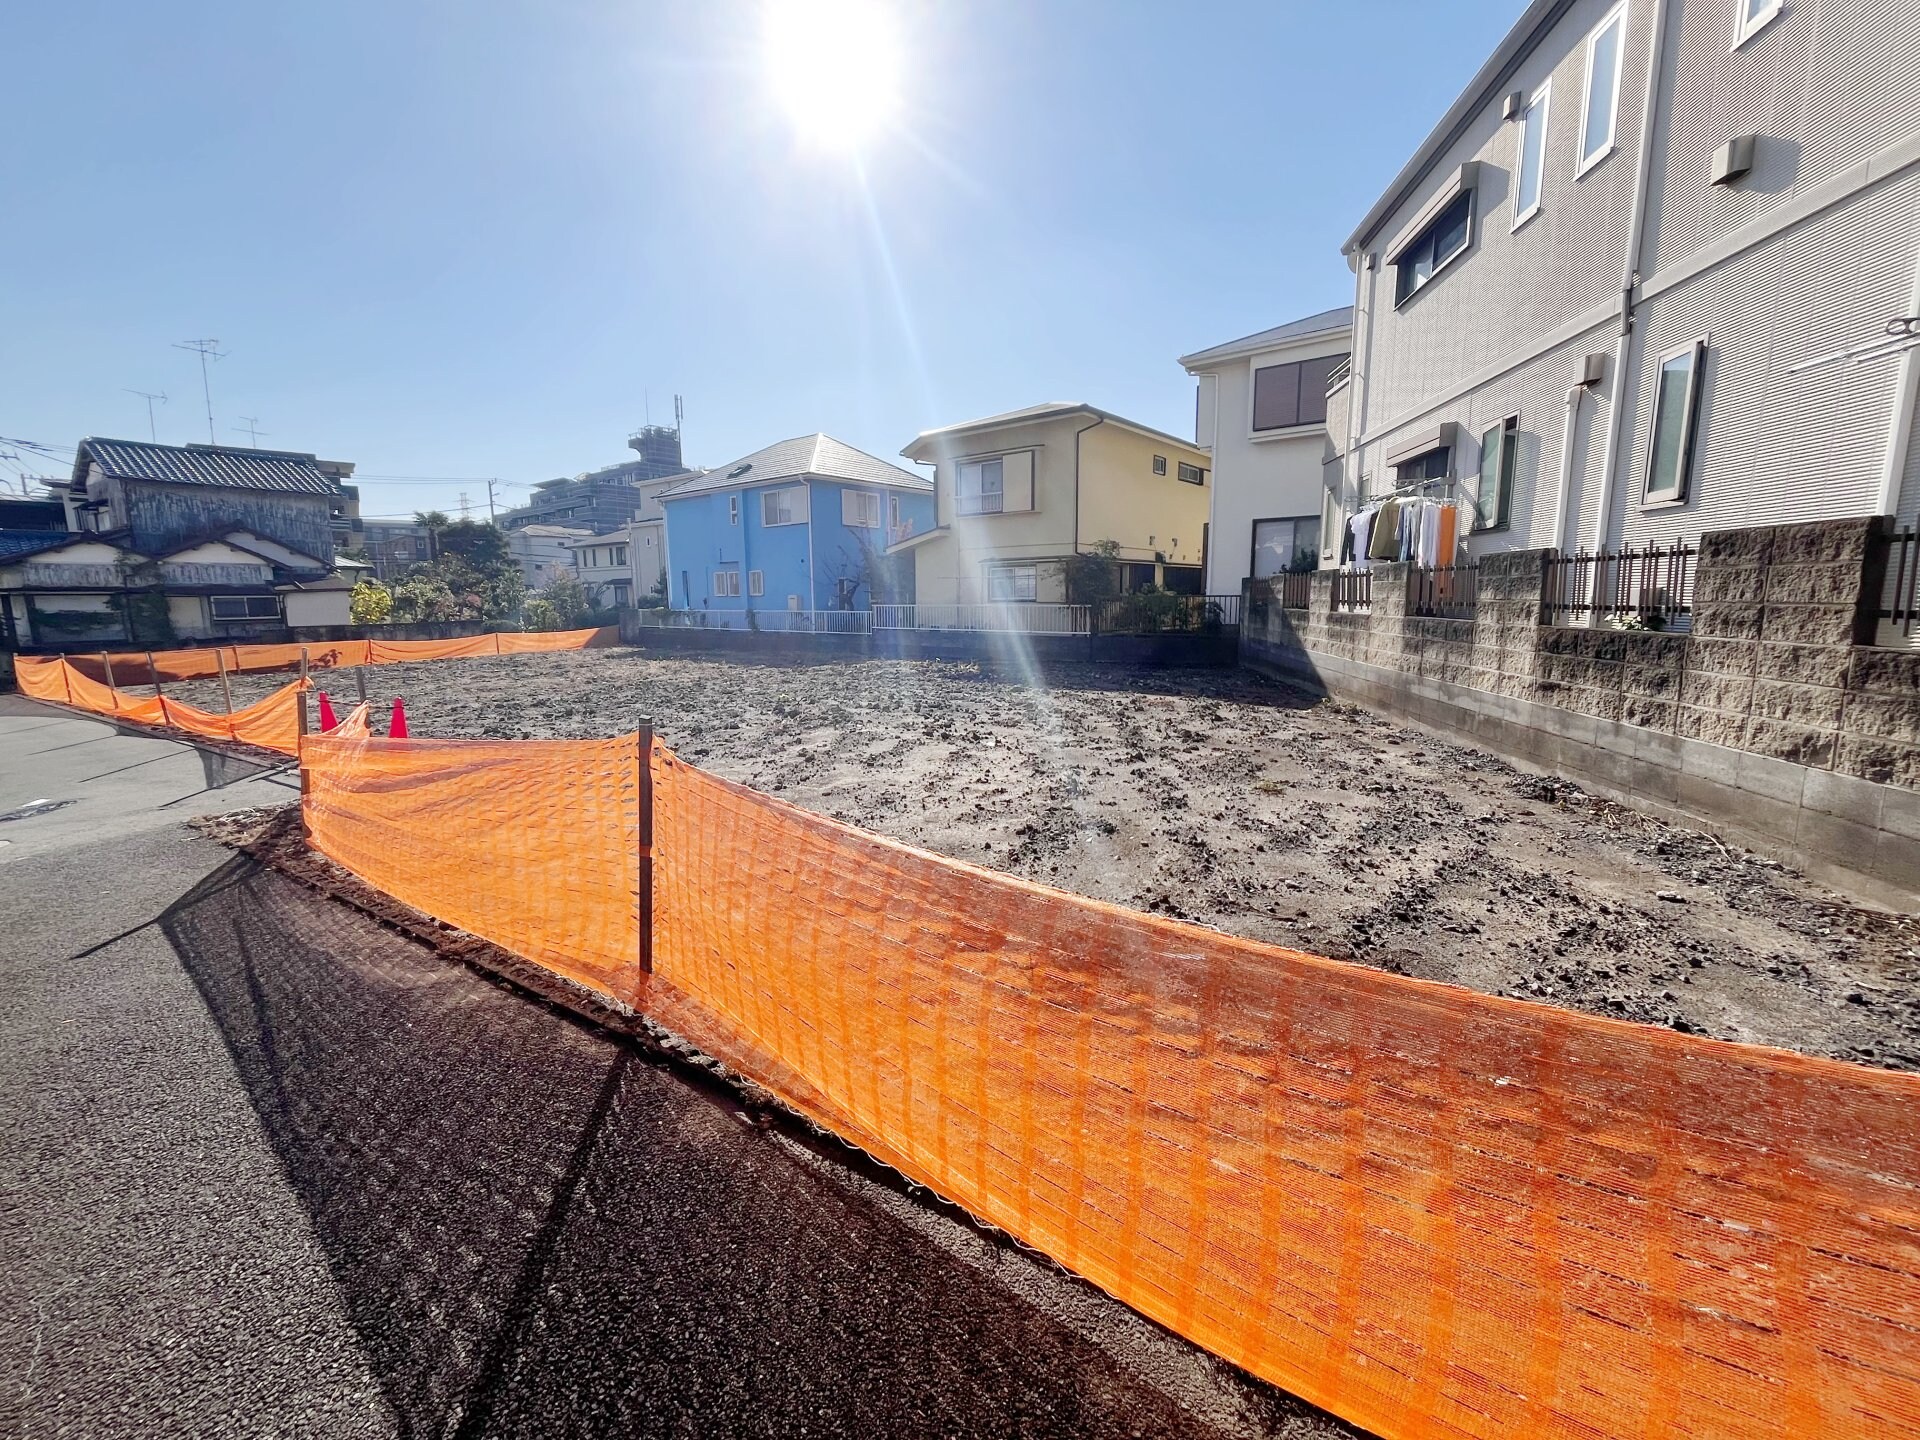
(1223,798)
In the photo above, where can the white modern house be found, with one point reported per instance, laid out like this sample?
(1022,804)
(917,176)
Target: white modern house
(542,551)
(623,566)
(1652,274)
(1261,411)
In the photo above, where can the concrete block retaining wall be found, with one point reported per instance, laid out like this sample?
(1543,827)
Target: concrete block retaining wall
(1770,721)
(1002,650)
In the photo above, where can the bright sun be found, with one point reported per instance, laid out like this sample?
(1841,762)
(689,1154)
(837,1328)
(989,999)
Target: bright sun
(835,66)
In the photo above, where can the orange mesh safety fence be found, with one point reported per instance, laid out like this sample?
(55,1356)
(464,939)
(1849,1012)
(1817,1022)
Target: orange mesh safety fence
(355,725)
(533,844)
(131,667)
(273,723)
(1431,1211)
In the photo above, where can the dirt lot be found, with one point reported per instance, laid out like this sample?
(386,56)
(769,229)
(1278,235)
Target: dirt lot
(1241,803)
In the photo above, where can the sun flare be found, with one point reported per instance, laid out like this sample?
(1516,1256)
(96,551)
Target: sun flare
(835,67)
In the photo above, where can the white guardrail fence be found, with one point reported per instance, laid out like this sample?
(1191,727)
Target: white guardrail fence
(1025,618)
(777,622)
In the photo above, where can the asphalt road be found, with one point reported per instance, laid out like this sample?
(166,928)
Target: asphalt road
(270,1169)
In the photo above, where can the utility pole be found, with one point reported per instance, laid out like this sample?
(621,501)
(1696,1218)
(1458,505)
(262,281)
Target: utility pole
(206,350)
(252,427)
(493,513)
(150,396)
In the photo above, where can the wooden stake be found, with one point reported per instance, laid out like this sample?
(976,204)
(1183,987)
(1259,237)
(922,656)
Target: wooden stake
(360,680)
(226,685)
(153,672)
(106,663)
(646,847)
(303,662)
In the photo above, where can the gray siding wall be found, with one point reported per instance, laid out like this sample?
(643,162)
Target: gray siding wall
(164,516)
(1503,331)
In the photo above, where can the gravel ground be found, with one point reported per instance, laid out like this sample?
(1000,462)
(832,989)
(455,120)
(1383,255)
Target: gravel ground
(1241,803)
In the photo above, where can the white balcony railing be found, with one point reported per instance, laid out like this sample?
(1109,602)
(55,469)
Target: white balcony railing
(1020,618)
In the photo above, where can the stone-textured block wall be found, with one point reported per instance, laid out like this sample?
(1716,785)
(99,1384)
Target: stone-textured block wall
(1773,668)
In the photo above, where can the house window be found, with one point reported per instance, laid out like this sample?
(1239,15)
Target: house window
(1013,582)
(1283,545)
(756,582)
(1494,500)
(981,489)
(733,509)
(619,554)
(244,607)
(783,507)
(1433,465)
(1529,172)
(622,592)
(726,582)
(1159,464)
(893,512)
(1193,474)
(859,510)
(1292,394)
(1751,16)
(1438,245)
(1603,89)
(1676,401)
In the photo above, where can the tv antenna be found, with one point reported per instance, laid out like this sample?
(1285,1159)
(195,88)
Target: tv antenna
(149,396)
(206,350)
(252,427)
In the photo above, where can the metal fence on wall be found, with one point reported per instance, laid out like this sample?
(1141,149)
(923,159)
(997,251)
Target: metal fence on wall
(1017,617)
(1899,611)
(1445,592)
(1158,613)
(1653,585)
(776,622)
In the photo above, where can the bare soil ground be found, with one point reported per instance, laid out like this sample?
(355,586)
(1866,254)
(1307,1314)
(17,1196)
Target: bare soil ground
(1237,802)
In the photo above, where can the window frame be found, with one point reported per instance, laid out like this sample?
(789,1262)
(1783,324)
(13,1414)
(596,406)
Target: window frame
(1253,541)
(1426,236)
(1261,364)
(998,572)
(1617,15)
(1159,464)
(1681,489)
(1199,473)
(1543,98)
(729,591)
(733,508)
(796,515)
(1746,26)
(756,583)
(978,497)
(277,611)
(867,502)
(1508,432)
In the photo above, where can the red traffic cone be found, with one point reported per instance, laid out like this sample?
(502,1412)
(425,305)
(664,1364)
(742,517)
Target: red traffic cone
(327,722)
(397,730)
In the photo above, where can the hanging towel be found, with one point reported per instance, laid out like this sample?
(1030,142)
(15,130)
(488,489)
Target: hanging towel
(1449,534)
(1359,537)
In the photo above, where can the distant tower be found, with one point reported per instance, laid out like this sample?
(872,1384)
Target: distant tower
(658,447)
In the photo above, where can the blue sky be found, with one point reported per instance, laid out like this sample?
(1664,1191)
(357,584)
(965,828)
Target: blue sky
(468,238)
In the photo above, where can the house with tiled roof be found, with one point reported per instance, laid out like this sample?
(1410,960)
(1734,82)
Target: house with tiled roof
(170,542)
(799,526)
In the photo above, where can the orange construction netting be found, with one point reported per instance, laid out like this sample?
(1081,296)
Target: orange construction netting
(1430,1211)
(131,668)
(272,723)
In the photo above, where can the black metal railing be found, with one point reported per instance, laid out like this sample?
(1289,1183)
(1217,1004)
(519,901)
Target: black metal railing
(1159,612)
(1651,586)
(1293,590)
(1900,600)
(1445,592)
(1352,591)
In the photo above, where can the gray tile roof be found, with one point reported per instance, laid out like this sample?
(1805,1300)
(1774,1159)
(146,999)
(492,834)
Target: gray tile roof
(284,470)
(819,456)
(16,543)
(1339,319)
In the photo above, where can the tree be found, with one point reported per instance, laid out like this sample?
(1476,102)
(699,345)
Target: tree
(473,562)
(371,603)
(566,599)
(423,595)
(433,522)
(1095,574)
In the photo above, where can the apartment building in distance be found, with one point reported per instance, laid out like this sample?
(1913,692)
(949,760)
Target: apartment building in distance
(1260,411)
(1018,495)
(1637,284)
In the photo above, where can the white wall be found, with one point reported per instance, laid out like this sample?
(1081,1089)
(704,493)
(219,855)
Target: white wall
(319,607)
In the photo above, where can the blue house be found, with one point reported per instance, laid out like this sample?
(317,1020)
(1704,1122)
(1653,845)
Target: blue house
(796,526)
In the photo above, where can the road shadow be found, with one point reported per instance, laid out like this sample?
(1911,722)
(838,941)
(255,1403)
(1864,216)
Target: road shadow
(538,1230)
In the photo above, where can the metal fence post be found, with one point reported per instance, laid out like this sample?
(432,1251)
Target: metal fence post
(646,847)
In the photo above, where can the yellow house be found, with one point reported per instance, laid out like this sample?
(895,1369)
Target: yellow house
(1017,495)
